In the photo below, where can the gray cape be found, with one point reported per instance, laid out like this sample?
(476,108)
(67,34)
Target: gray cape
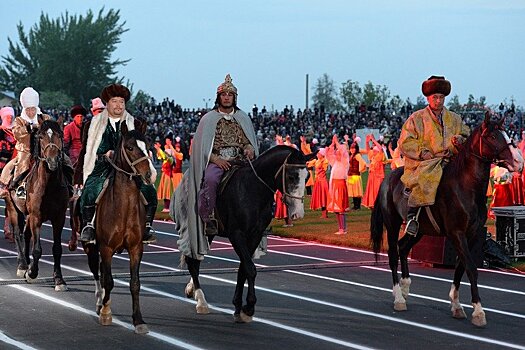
(183,207)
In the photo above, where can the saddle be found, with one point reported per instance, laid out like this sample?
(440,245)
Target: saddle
(226,177)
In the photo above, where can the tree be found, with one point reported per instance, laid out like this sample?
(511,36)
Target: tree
(395,103)
(351,94)
(325,95)
(70,54)
(375,94)
(454,105)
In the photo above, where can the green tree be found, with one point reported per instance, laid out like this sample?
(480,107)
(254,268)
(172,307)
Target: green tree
(375,94)
(454,104)
(351,94)
(325,94)
(395,103)
(70,54)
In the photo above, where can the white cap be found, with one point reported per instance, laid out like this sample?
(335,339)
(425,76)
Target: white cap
(315,141)
(29,98)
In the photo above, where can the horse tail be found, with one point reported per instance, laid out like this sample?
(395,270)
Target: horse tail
(182,263)
(376,226)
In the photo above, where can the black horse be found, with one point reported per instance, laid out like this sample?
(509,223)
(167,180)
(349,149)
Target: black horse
(460,211)
(245,210)
(47,198)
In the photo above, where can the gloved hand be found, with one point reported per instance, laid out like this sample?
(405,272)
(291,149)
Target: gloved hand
(426,155)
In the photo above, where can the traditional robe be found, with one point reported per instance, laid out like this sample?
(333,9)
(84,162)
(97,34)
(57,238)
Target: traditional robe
(424,132)
(183,207)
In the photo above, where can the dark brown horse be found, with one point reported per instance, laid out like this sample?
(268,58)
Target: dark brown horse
(120,223)
(47,199)
(460,211)
(245,210)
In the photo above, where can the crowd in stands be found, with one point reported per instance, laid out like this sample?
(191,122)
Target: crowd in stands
(168,119)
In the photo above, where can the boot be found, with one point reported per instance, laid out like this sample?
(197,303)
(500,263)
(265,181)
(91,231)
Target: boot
(412,225)
(358,203)
(324,214)
(149,234)
(87,236)
(354,200)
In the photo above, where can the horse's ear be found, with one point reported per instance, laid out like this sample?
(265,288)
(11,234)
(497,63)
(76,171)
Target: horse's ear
(123,127)
(60,122)
(141,125)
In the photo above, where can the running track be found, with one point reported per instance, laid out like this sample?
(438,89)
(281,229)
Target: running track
(310,296)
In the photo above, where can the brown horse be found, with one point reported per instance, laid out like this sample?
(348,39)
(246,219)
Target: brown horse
(120,223)
(459,212)
(47,199)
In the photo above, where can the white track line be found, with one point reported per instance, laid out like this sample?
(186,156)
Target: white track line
(4,338)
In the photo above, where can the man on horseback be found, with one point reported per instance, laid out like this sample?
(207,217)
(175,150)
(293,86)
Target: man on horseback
(224,135)
(28,121)
(428,138)
(103,136)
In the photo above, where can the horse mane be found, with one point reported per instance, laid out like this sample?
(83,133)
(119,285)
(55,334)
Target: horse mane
(457,163)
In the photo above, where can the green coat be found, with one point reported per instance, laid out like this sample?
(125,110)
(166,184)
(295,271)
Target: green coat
(423,132)
(95,180)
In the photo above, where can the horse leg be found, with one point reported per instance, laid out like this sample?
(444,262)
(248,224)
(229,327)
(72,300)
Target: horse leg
(58,225)
(240,245)
(8,231)
(93,262)
(405,245)
(198,294)
(74,223)
(237,296)
(17,222)
(463,250)
(105,316)
(393,258)
(32,272)
(455,305)
(135,256)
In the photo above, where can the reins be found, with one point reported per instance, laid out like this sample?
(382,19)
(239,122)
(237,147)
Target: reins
(129,162)
(493,160)
(283,168)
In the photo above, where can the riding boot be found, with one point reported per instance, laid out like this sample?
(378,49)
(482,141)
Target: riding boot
(87,236)
(149,234)
(412,225)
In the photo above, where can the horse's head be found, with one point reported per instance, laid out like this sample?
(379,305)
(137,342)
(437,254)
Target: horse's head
(291,179)
(134,153)
(49,143)
(496,146)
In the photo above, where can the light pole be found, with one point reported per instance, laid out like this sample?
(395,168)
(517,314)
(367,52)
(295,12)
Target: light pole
(206,101)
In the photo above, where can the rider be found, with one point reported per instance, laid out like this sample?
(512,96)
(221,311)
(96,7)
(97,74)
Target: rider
(103,137)
(428,138)
(72,132)
(28,121)
(223,135)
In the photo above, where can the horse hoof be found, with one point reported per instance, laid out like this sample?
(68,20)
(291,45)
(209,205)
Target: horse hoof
(459,314)
(189,290)
(61,288)
(21,273)
(243,318)
(29,279)
(105,319)
(72,246)
(479,320)
(202,309)
(141,329)
(400,306)
(98,308)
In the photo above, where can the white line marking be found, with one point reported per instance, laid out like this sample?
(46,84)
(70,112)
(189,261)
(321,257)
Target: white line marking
(4,338)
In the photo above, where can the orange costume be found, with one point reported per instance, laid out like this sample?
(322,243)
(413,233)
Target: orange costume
(376,174)
(320,191)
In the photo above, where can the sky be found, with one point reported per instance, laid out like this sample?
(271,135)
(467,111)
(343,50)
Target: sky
(184,49)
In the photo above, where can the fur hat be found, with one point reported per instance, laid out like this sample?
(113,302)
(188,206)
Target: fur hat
(436,85)
(97,103)
(78,109)
(29,98)
(227,86)
(115,90)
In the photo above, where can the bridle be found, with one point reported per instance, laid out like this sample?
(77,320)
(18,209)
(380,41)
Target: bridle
(494,159)
(131,164)
(42,156)
(282,169)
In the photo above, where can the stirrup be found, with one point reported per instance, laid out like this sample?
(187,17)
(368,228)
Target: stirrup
(412,227)
(21,192)
(149,235)
(91,238)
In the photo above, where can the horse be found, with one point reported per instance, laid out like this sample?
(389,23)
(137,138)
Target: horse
(244,209)
(47,198)
(120,223)
(459,212)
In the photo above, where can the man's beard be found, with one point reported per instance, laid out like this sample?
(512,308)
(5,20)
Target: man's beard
(222,105)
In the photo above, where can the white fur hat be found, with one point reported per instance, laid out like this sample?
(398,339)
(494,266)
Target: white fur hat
(5,111)
(29,98)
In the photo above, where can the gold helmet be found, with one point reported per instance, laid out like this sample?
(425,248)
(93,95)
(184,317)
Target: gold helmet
(227,86)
